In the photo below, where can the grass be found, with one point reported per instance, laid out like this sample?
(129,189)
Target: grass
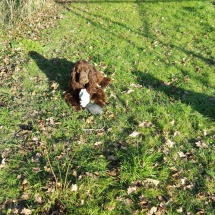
(12,11)
(153,147)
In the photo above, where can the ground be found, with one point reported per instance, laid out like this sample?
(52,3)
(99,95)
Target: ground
(152,149)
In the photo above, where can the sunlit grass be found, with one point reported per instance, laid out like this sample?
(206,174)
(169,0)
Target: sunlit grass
(153,146)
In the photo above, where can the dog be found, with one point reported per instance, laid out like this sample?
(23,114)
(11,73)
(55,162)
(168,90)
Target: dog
(86,76)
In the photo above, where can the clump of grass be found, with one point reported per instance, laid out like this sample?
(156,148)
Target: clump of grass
(14,10)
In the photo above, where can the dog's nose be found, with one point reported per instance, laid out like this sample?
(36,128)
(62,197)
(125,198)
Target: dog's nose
(83,79)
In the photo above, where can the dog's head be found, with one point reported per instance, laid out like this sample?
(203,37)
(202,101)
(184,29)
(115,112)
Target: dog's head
(81,72)
(83,75)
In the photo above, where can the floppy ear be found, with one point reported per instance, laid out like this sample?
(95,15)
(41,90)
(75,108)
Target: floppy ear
(91,86)
(92,77)
(73,82)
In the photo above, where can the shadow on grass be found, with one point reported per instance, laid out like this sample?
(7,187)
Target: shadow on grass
(147,34)
(200,102)
(56,69)
(92,18)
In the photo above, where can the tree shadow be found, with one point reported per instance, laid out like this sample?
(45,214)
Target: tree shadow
(56,69)
(199,102)
(147,34)
(143,32)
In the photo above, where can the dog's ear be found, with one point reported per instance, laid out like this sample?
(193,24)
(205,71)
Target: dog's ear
(73,76)
(92,76)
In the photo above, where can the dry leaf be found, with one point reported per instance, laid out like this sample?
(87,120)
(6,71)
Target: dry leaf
(19,177)
(25,182)
(136,85)
(201,144)
(146,124)
(89,120)
(112,116)
(180,210)
(37,198)
(2,163)
(172,122)
(134,134)
(153,210)
(25,196)
(98,143)
(74,187)
(129,91)
(183,181)
(50,120)
(15,211)
(169,143)
(47,169)
(26,211)
(55,85)
(131,189)
(182,155)
(176,133)
(153,181)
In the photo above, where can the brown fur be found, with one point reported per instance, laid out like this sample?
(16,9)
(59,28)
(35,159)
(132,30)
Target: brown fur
(84,75)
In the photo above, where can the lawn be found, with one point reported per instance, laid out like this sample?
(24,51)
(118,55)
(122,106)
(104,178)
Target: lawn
(152,149)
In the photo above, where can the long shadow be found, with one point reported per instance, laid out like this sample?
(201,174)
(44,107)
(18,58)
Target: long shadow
(200,102)
(56,69)
(146,33)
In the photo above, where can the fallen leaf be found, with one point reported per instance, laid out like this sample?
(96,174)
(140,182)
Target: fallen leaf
(128,91)
(47,169)
(50,120)
(146,124)
(89,120)
(37,198)
(98,144)
(169,143)
(134,134)
(136,85)
(183,181)
(131,189)
(26,211)
(19,177)
(25,196)
(25,182)
(176,133)
(153,181)
(55,85)
(201,144)
(172,122)
(82,201)
(74,187)
(153,210)
(182,155)
(112,116)
(15,211)
(2,163)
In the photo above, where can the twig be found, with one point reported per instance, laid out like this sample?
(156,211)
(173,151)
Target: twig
(49,162)
(93,129)
(68,167)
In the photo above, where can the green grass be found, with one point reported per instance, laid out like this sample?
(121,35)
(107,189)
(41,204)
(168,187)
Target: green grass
(161,57)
